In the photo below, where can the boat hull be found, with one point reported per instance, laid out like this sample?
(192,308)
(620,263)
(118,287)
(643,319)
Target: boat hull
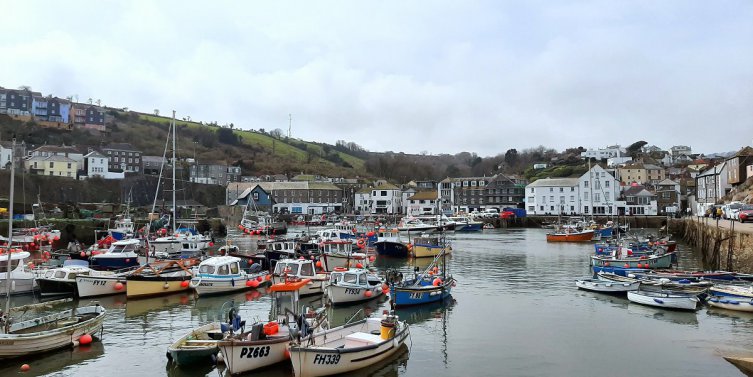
(313,287)
(428,251)
(604,286)
(207,286)
(147,286)
(102,262)
(18,286)
(28,343)
(731,303)
(584,236)
(667,301)
(54,287)
(404,296)
(391,249)
(90,286)
(651,262)
(243,356)
(196,346)
(340,295)
(332,261)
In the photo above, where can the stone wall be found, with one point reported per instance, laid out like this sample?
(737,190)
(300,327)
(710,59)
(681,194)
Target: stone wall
(721,248)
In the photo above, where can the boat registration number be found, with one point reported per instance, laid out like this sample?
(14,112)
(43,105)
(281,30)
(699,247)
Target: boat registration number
(352,291)
(99,282)
(326,359)
(252,352)
(416,295)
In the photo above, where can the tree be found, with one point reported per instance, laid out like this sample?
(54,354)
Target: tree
(156,111)
(511,157)
(633,150)
(276,133)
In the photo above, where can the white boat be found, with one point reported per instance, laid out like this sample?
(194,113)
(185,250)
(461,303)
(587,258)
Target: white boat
(21,276)
(223,274)
(413,224)
(287,269)
(740,304)
(607,286)
(733,291)
(349,347)
(62,280)
(353,285)
(42,334)
(120,255)
(340,254)
(666,300)
(123,227)
(185,243)
(198,345)
(101,285)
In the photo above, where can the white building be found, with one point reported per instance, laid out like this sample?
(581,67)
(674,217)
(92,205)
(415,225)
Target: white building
(95,164)
(362,201)
(638,201)
(386,198)
(551,196)
(422,203)
(617,161)
(599,154)
(599,191)
(5,155)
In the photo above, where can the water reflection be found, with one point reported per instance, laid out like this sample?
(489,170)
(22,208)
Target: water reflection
(54,361)
(144,306)
(672,316)
(418,314)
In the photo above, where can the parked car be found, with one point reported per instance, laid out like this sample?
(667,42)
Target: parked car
(745,213)
(730,210)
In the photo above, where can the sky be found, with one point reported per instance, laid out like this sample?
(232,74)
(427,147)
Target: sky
(429,76)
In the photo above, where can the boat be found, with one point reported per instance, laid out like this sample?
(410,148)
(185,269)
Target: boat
(160,278)
(349,347)
(123,227)
(467,224)
(287,269)
(62,280)
(223,274)
(185,243)
(391,247)
(267,342)
(652,261)
(340,254)
(667,300)
(198,345)
(120,255)
(429,286)
(570,235)
(277,249)
(347,286)
(429,246)
(745,364)
(488,226)
(101,285)
(21,277)
(59,330)
(413,224)
(731,303)
(732,291)
(607,286)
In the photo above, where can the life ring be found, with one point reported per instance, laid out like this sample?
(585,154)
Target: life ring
(361,243)
(341,269)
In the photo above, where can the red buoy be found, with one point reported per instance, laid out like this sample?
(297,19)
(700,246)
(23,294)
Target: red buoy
(26,367)
(358,265)
(627,265)
(368,293)
(85,339)
(184,284)
(119,286)
(318,264)
(259,279)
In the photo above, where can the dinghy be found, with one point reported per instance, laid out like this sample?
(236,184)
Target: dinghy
(607,286)
(199,345)
(667,300)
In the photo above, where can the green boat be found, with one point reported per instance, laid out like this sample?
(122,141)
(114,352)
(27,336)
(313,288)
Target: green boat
(198,346)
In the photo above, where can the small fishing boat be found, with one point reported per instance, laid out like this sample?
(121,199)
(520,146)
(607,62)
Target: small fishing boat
(21,277)
(341,254)
(570,235)
(267,342)
(429,286)
(46,333)
(391,247)
(414,224)
(287,269)
(427,246)
(347,286)
(349,347)
(218,275)
(651,262)
(62,280)
(120,255)
(199,345)
(101,285)
(123,227)
(607,286)
(159,278)
(731,303)
(745,364)
(663,299)
(732,291)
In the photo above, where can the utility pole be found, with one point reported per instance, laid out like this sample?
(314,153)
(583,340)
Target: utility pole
(290,123)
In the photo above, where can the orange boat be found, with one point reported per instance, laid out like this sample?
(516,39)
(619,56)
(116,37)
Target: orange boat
(571,236)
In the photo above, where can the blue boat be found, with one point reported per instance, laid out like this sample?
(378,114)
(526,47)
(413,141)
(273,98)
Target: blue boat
(120,255)
(421,290)
(391,248)
(622,271)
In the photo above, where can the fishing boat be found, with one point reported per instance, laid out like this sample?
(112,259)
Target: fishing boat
(120,255)
(21,277)
(467,224)
(101,285)
(62,280)
(347,286)
(732,291)
(277,249)
(652,261)
(340,254)
(413,224)
(570,235)
(267,342)
(160,278)
(185,243)
(349,347)
(667,300)
(287,269)
(607,286)
(123,227)
(431,285)
(223,274)
(488,226)
(391,247)
(428,245)
(198,345)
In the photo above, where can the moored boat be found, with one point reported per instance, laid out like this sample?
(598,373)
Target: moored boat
(650,262)
(198,345)
(120,255)
(354,285)
(287,269)
(101,285)
(159,278)
(607,286)
(223,274)
(570,235)
(667,300)
(740,304)
(62,280)
(21,277)
(340,254)
(349,347)
(429,246)
(392,247)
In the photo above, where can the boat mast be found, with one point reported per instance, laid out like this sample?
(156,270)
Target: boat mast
(591,190)
(10,229)
(174,162)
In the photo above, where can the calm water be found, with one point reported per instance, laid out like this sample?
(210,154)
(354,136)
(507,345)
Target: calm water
(514,312)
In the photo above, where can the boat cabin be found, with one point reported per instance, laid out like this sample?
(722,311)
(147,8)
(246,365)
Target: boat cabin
(17,262)
(303,268)
(225,266)
(281,246)
(122,247)
(354,277)
(337,247)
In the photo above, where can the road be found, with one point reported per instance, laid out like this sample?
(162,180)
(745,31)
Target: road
(738,226)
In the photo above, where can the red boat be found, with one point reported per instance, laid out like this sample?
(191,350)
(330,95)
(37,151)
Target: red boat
(570,235)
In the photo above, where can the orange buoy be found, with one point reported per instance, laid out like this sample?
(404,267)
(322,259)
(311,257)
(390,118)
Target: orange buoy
(372,258)
(627,265)
(606,264)
(259,279)
(85,339)
(318,264)
(119,286)
(368,293)
(184,284)
(248,282)
(26,367)
(437,282)
(358,265)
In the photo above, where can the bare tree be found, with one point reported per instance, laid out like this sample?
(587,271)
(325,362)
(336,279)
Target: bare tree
(156,112)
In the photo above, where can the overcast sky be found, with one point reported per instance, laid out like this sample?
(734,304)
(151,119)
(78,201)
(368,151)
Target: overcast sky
(410,76)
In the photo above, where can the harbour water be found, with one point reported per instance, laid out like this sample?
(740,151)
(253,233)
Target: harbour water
(514,312)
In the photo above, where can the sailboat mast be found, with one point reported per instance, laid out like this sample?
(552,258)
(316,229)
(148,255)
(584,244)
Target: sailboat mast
(10,226)
(591,189)
(174,162)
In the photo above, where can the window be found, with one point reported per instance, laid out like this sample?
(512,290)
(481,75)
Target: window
(597,197)
(585,183)
(234,268)
(551,189)
(572,198)
(69,165)
(585,196)
(52,164)
(572,189)
(562,189)
(542,208)
(606,183)
(551,199)
(384,193)
(531,190)
(585,209)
